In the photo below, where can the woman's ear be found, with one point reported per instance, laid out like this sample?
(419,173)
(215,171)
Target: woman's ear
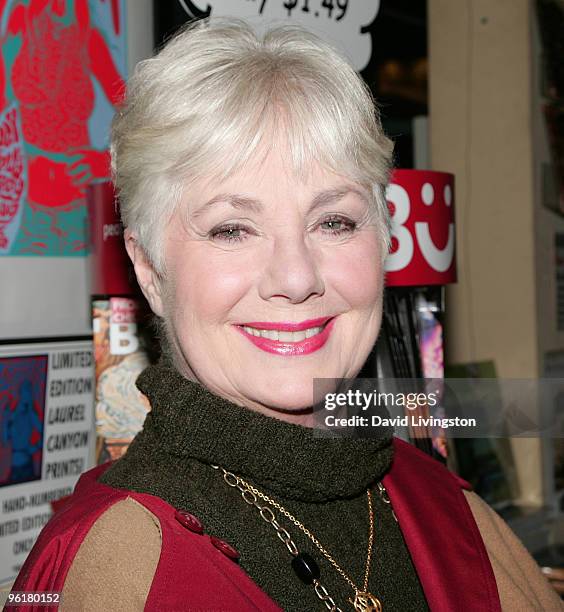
(147,277)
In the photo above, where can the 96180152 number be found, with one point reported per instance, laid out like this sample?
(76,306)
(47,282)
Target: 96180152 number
(37,598)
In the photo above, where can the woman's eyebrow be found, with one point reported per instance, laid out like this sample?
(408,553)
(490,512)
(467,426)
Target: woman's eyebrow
(330,196)
(233,199)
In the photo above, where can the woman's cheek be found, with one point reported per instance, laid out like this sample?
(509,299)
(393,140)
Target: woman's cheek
(214,285)
(357,273)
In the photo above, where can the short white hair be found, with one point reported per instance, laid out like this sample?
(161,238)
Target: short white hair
(206,102)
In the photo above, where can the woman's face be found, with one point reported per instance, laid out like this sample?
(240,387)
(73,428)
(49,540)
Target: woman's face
(272,282)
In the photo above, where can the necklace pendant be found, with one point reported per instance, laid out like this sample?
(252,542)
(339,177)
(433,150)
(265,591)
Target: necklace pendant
(366,602)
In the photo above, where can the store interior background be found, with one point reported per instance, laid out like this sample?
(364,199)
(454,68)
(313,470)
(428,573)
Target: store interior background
(471,87)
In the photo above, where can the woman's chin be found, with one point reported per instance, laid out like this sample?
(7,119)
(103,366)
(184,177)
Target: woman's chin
(290,392)
(299,415)
(285,403)
(288,405)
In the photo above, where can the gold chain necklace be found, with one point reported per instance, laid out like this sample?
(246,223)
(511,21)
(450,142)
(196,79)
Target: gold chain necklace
(303,564)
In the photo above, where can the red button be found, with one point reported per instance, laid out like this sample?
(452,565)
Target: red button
(189,521)
(225,548)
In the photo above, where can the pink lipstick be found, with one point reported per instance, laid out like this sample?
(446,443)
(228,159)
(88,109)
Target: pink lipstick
(287,338)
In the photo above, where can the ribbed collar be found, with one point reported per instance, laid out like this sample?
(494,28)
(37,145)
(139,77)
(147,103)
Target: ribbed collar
(292,461)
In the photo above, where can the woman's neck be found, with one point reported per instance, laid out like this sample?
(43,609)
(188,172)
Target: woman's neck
(189,421)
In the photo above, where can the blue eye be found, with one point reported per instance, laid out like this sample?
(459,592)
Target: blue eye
(337,226)
(228,233)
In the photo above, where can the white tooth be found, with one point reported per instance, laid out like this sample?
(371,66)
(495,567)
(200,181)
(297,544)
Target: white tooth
(249,330)
(312,331)
(255,332)
(286,336)
(298,336)
(271,334)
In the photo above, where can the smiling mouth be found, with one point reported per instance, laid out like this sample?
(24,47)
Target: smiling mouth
(284,336)
(287,332)
(289,339)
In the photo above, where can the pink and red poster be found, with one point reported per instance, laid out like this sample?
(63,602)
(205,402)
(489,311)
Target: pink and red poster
(62,71)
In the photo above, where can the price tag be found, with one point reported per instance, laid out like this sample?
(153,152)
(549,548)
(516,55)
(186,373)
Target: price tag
(340,22)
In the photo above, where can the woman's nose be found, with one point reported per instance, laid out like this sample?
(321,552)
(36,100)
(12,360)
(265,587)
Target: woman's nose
(291,272)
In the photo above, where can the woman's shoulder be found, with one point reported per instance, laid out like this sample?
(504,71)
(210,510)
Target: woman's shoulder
(432,501)
(116,549)
(115,565)
(96,534)
(519,580)
(142,553)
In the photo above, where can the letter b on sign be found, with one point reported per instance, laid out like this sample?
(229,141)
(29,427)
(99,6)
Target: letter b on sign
(422,229)
(123,338)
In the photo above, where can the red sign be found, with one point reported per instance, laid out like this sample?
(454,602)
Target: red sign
(421,204)
(111,270)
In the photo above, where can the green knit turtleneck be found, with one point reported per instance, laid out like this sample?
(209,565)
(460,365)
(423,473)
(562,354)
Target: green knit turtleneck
(322,481)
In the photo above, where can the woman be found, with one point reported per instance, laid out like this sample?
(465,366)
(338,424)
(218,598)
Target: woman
(251,176)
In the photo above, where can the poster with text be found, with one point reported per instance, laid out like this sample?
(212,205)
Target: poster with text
(46,437)
(62,70)
(119,359)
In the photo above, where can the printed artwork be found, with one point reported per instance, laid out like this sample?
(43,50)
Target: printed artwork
(62,70)
(120,358)
(46,436)
(432,359)
(431,344)
(22,410)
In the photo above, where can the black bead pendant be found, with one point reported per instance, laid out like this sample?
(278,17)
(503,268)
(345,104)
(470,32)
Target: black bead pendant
(305,567)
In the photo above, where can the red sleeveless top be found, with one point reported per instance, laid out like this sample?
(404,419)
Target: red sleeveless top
(434,516)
